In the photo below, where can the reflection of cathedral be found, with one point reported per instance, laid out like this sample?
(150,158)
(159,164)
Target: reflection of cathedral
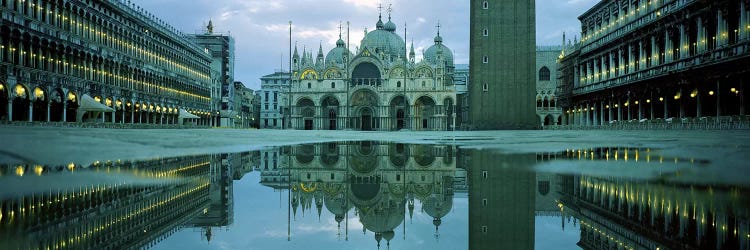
(378,88)
(380,182)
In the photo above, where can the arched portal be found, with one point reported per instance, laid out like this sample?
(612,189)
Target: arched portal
(364,104)
(71,107)
(56,105)
(21,103)
(331,104)
(3,102)
(306,109)
(425,109)
(398,107)
(39,112)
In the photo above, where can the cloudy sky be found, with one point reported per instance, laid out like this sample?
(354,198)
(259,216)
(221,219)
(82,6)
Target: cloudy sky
(261,27)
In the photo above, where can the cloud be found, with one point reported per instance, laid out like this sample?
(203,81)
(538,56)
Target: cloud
(366,4)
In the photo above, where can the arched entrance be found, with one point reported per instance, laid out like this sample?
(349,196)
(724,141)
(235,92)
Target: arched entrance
(548,120)
(39,112)
(365,117)
(56,105)
(364,103)
(71,107)
(21,103)
(331,105)
(3,102)
(306,109)
(425,109)
(398,108)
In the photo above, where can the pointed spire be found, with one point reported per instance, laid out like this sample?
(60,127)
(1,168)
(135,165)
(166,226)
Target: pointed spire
(379,24)
(210,27)
(320,49)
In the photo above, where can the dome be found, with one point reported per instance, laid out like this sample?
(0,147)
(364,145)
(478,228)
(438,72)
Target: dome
(337,205)
(390,26)
(436,207)
(431,54)
(336,55)
(382,218)
(384,41)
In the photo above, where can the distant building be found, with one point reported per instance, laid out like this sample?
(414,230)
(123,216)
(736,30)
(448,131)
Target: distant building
(502,39)
(461,81)
(272,89)
(379,87)
(221,48)
(657,62)
(243,106)
(546,85)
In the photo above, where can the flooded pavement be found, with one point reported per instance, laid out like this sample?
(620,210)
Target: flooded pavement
(370,195)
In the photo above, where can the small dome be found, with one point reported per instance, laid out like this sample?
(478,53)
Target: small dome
(390,26)
(431,54)
(336,55)
(438,39)
(379,24)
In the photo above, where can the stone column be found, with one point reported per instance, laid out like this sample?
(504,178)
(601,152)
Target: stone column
(10,108)
(721,29)
(612,69)
(589,75)
(718,98)
(621,63)
(743,29)
(651,107)
(602,121)
(666,108)
(701,41)
(65,109)
(742,96)
(668,53)
(31,111)
(684,42)
(48,109)
(619,110)
(655,55)
(630,117)
(681,102)
(631,59)
(698,107)
(640,109)
(610,111)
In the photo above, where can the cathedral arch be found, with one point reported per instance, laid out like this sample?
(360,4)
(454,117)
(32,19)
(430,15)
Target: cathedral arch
(21,102)
(332,73)
(424,72)
(366,73)
(309,74)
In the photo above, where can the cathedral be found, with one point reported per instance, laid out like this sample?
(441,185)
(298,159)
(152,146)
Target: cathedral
(379,87)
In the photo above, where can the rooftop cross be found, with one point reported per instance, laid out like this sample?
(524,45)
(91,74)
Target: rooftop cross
(340,29)
(438,27)
(380,10)
(390,10)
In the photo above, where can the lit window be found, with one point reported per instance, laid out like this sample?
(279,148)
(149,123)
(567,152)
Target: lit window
(485,5)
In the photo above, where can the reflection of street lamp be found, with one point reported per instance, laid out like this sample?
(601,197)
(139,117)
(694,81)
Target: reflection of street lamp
(287,115)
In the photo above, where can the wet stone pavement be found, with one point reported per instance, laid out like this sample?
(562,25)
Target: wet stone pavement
(456,192)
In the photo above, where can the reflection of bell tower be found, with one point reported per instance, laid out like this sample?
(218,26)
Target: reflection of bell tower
(501,207)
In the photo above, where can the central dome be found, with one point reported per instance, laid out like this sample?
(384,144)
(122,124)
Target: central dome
(386,41)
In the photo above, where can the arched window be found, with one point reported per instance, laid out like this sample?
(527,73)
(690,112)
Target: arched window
(398,84)
(309,85)
(544,74)
(485,5)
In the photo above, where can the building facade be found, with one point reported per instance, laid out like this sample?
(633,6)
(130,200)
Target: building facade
(461,81)
(546,85)
(99,62)
(502,40)
(668,61)
(272,98)
(221,49)
(243,105)
(377,88)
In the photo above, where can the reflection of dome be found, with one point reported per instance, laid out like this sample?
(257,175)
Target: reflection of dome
(438,207)
(423,155)
(337,205)
(431,54)
(365,191)
(381,40)
(399,154)
(306,154)
(381,218)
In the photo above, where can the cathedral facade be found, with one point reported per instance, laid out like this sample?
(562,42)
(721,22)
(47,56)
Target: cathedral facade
(379,87)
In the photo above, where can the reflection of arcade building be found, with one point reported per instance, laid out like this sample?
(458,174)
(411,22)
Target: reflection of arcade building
(103,216)
(379,88)
(380,181)
(628,213)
